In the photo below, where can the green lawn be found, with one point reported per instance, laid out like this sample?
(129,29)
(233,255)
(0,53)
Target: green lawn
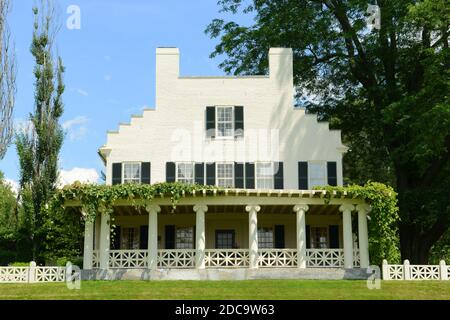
(237,290)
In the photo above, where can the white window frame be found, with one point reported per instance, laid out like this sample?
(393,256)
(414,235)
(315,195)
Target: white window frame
(217,123)
(324,164)
(193,170)
(232,172)
(272,231)
(132,163)
(272,164)
(191,242)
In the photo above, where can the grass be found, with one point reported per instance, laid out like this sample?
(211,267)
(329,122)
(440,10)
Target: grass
(230,290)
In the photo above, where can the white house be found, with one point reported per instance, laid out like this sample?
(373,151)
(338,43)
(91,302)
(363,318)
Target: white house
(244,134)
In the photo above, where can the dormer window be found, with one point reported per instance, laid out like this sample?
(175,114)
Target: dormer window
(224,122)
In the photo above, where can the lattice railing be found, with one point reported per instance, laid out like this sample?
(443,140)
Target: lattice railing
(325,258)
(395,272)
(277,258)
(424,272)
(95,259)
(176,258)
(226,258)
(14,274)
(356,258)
(128,259)
(50,274)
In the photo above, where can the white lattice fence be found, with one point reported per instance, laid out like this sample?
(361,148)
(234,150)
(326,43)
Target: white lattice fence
(226,258)
(14,274)
(128,259)
(356,258)
(273,258)
(178,258)
(325,258)
(406,271)
(50,274)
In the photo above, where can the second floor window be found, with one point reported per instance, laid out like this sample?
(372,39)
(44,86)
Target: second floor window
(225,177)
(225,122)
(131,173)
(264,175)
(185,173)
(317,174)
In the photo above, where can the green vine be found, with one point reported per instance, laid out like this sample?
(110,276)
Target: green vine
(384,217)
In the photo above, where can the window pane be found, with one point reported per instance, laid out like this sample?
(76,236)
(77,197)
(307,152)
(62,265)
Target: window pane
(224,121)
(132,173)
(184,238)
(225,175)
(317,174)
(319,238)
(265,238)
(264,175)
(225,239)
(185,173)
(130,239)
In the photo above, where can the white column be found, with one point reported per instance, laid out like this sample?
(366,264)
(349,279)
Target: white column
(88,243)
(301,210)
(363,236)
(200,235)
(105,235)
(346,210)
(253,234)
(152,248)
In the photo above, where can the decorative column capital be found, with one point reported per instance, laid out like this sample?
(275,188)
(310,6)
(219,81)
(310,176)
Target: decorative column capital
(346,207)
(153,208)
(364,208)
(301,207)
(252,207)
(201,207)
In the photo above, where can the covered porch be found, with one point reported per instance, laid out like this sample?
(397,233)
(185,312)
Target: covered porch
(235,229)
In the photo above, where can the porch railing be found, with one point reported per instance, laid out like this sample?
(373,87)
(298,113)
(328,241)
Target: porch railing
(325,258)
(128,259)
(277,258)
(176,258)
(226,258)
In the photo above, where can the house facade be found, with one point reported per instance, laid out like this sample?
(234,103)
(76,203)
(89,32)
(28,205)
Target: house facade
(242,134)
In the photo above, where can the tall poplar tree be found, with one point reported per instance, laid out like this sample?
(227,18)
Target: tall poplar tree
(38,146)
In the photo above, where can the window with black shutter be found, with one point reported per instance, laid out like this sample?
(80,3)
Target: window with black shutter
(170,172)
(250,175)
(145,172)
(199,173)
(169,236)
(238,175)
(210,122)
(279,175)
(116,173)
(332,173)
(211,174)
(303,175)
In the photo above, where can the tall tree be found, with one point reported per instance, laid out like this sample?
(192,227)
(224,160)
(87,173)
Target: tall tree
(7,79)
(387,88)
(38,146)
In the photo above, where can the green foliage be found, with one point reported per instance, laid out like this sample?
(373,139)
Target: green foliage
(383,231)
(20,264)
(8,223)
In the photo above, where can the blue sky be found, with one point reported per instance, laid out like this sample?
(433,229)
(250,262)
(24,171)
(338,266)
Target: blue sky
(110,65)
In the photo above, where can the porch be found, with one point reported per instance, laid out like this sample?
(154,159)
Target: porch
(274,230)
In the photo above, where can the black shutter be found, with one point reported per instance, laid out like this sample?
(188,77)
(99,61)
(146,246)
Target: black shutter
(210,122)
(200,173)
(170,236)
(303,175)
(250,175)
(238,175)
(116,173)
(170,172)
(115,245)
(278,175)
(332,173)
(308,237)
(211,174)
(334,237)
(279,236)
(143,238)
(145,172)
(238,121)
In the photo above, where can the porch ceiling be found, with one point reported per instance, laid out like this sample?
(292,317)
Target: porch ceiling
(227,209)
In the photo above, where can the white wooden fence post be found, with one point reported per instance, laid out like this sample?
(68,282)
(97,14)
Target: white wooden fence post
(406,270)
(32,272)
(385,268)
(443,270)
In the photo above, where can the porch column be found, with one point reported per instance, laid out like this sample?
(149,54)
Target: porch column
(88,243)
(253,234)
(346,210)
(301,210)
(363,210)
(105,235)
(152,248)
(200,235)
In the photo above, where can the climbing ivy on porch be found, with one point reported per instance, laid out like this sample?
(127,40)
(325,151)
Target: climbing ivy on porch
(384,217)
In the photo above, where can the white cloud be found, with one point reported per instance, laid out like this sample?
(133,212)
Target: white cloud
(76,127)
(14,185)
(83,175)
